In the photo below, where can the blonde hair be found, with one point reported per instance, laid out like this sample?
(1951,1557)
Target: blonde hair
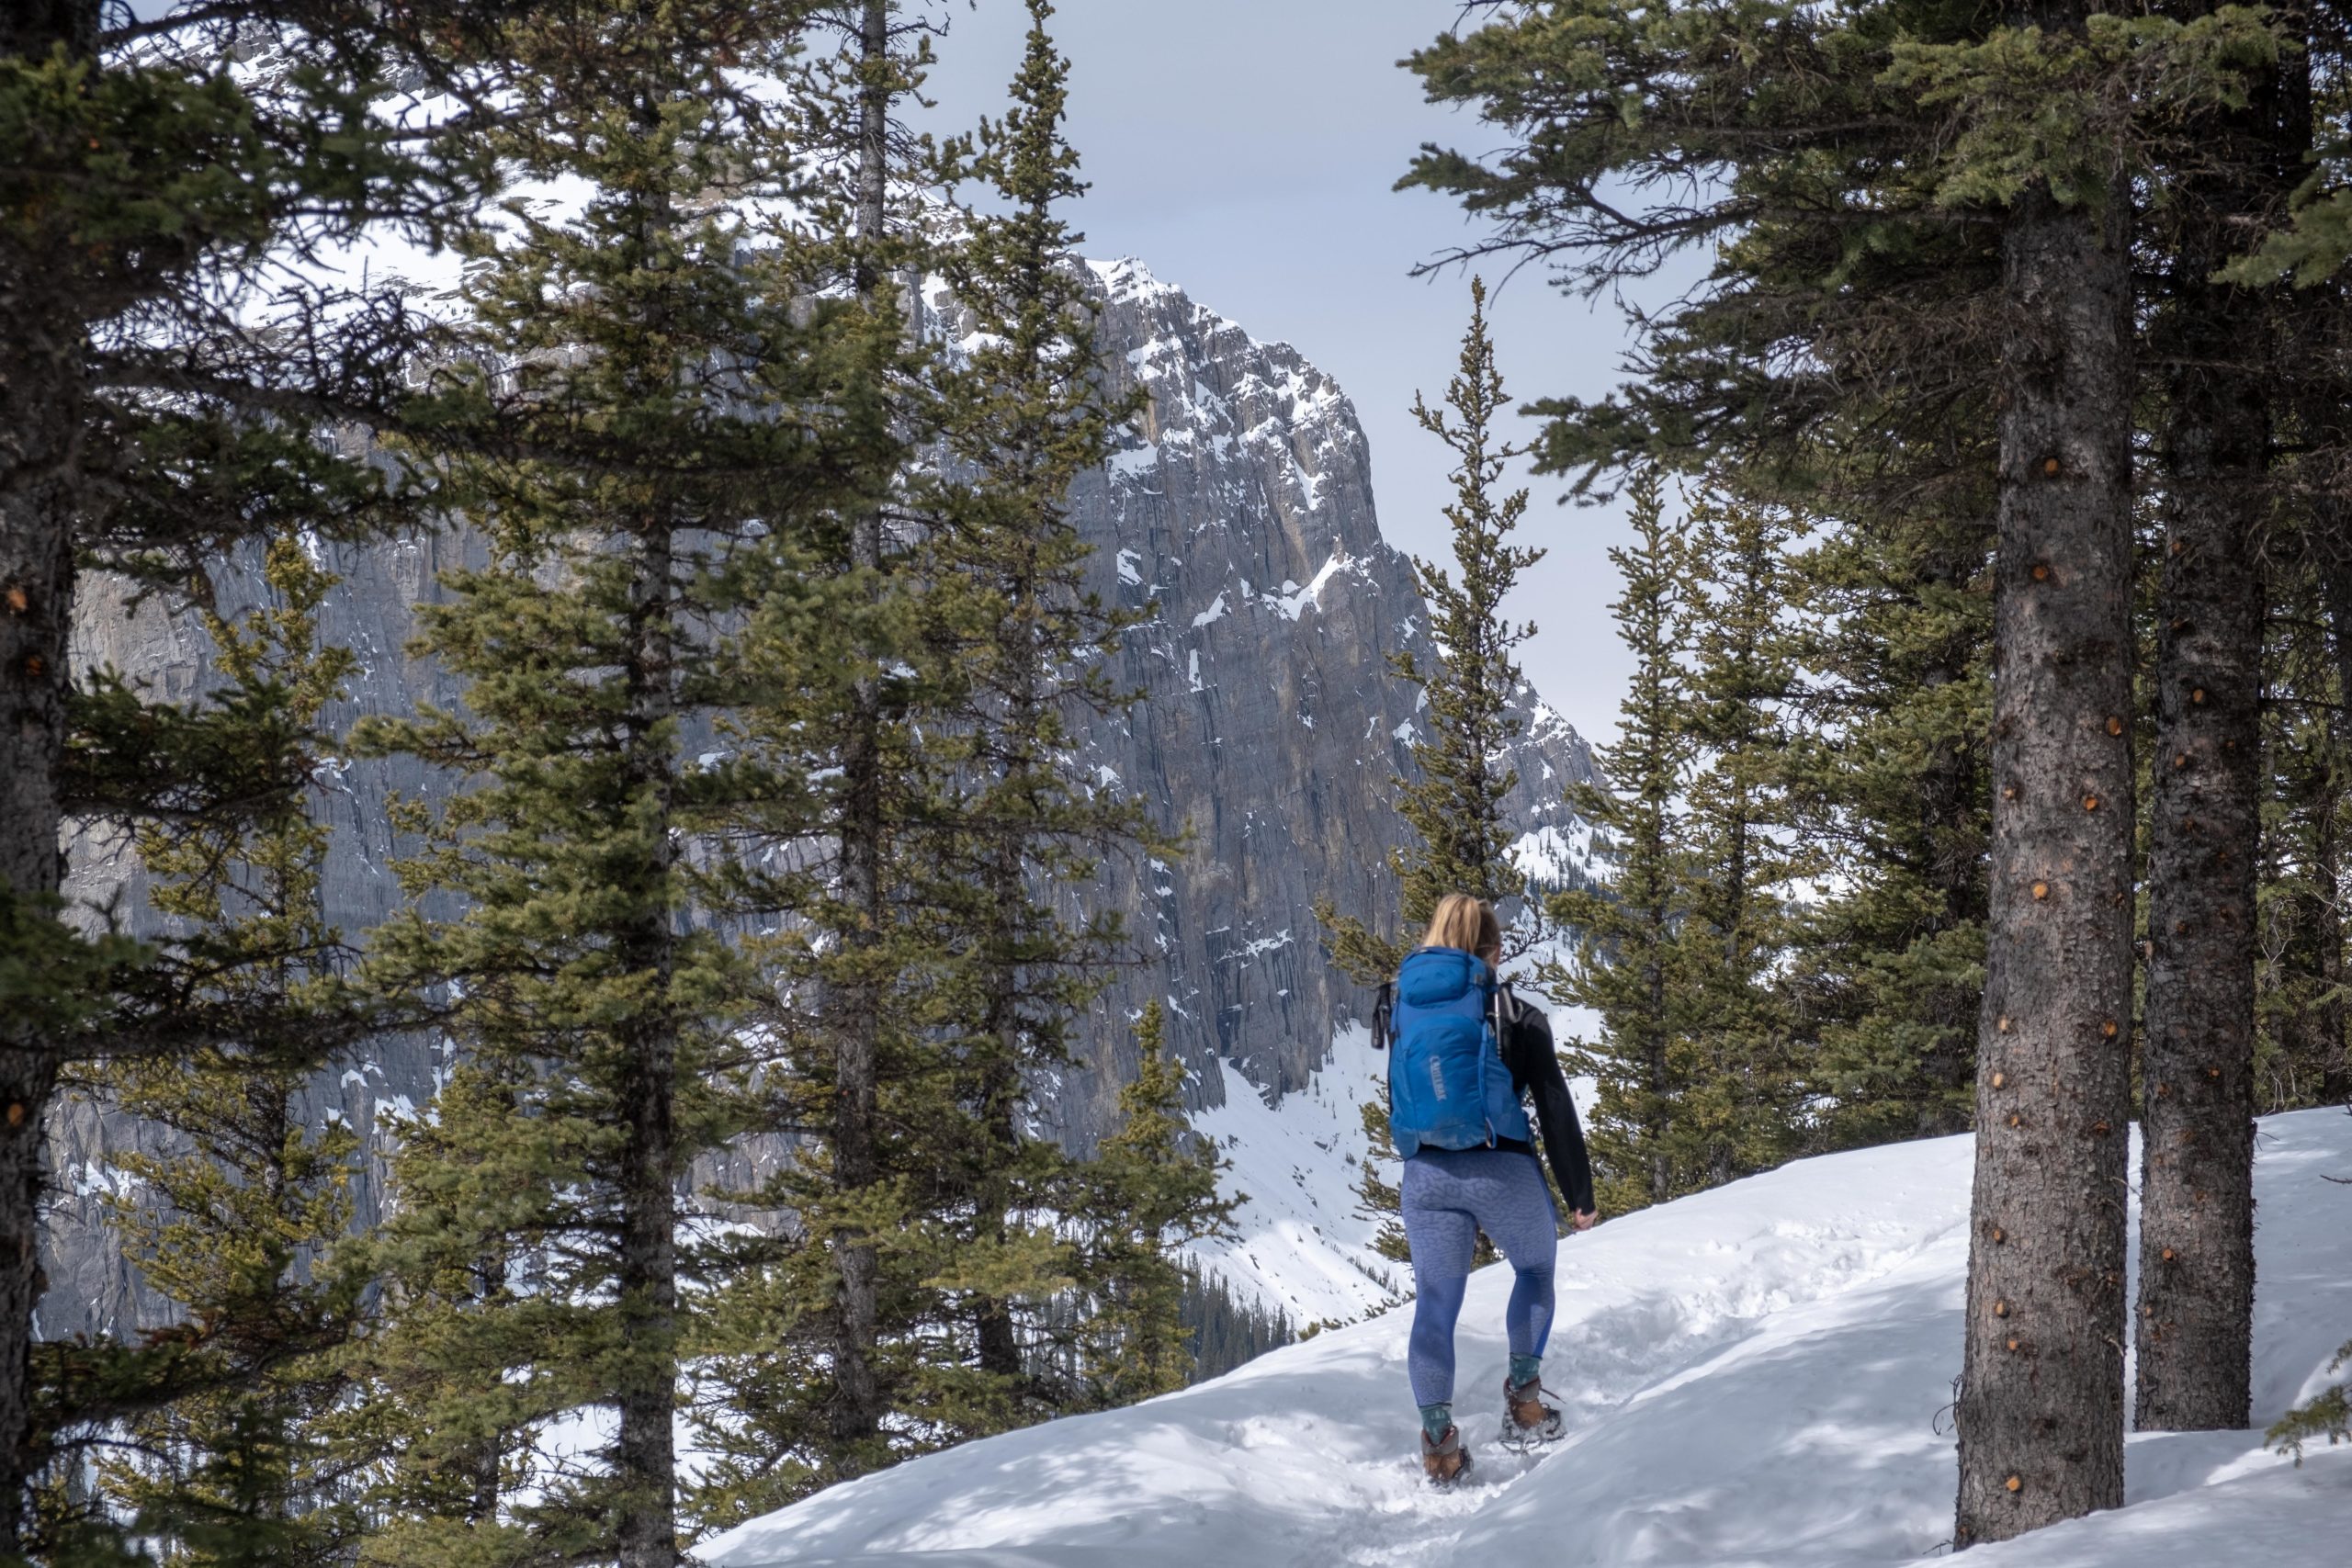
(1468,923)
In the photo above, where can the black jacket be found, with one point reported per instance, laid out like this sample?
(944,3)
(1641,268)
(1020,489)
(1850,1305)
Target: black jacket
(1534,1066)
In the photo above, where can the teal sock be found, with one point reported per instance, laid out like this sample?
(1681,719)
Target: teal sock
(1435,1419)
(1525,1369)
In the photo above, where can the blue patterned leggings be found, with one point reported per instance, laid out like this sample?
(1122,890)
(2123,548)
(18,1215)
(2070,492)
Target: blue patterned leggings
(1450,1195)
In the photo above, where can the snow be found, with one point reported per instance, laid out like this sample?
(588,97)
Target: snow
(1135,463)
(1295,601)
(1548,855)
(1301,1244)
(1756,1377)
(1210,616)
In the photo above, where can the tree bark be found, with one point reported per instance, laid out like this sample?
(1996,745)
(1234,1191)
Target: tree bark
(41,346)
(2195,1322)
(856,1414)
(2040,1408)
(645,1459)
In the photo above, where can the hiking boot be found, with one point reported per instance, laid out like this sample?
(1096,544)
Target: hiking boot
(1445,1461)
(1527,1420)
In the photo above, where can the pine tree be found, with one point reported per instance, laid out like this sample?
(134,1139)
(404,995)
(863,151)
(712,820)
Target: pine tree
(1455,805)
(613,429)
(240,1230)
(1626,964)
(167,382)
(1887,780)
(1738,1113)
(1378,1198)
(1146,1195)
(1022,414)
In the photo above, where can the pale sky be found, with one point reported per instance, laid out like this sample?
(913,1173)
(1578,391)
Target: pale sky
(1244,149)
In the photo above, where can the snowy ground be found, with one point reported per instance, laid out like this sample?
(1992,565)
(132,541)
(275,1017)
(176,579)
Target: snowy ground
(1754,1378)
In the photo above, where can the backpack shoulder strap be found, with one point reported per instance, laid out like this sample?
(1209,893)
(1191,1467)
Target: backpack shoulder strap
(1383,1016)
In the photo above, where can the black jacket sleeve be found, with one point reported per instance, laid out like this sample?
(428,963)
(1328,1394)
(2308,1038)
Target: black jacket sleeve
(1534,1065)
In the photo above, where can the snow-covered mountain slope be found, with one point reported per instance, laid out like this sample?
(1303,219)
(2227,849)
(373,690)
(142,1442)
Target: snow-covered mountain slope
(1758,1377)
(1300,1241)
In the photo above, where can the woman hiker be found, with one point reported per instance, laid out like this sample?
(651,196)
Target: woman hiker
(1463,1053)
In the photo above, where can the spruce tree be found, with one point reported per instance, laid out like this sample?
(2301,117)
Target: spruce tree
(2194,1345)
(1378,1198)
(652,429)
(240,1227)
(2042,1433)
(1626,965)
(1453,803)
(1887,785)
(1854,156)
(1738,1113)
(2300,1030)
(1024,414)
(167,381)
(1146,1195)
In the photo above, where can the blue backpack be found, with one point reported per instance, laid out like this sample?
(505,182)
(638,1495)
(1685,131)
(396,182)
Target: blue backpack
(1448,1087)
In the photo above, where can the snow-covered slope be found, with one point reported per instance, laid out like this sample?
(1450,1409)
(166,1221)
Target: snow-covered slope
(1300,1242)
(1758,1376)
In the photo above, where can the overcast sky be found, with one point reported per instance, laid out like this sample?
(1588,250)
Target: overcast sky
(1244,149)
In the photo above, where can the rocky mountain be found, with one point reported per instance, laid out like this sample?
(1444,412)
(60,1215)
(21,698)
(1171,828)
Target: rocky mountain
(1241,519)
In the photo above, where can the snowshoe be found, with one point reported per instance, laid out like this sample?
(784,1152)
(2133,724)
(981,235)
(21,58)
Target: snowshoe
(1527,1420)
(1444,1460)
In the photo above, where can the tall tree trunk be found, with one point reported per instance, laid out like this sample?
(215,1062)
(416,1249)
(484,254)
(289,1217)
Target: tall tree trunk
(856,1414)
(2196,1307)
(2040,1409)
(40,402)
(646,1530)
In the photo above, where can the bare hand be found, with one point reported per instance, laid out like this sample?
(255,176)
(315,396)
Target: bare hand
(1587,1218)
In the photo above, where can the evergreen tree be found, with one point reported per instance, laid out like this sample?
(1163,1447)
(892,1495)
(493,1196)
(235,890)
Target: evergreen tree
(1626,964)
(855,998)
(1738,1114)
(2194,1345)
(167,382)
(1022,414)
(1145,1194)
(1454,806)
(2300,1037)
(1378,1198)
(1853,154)
(617,428)
(1888,789)
(1226,1333)
(1453,803)
(2326,1414)
(240,1229)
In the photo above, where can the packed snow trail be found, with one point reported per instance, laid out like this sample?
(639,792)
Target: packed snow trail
(1758,1377)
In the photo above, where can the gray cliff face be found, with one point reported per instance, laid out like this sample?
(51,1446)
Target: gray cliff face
(1272,727)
